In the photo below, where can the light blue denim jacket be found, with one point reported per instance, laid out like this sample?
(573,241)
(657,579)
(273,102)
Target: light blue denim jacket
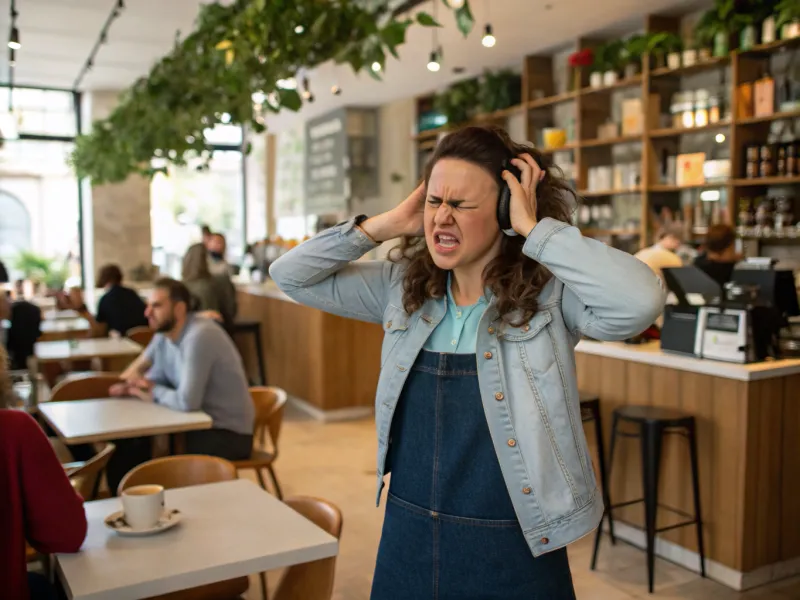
(526,374)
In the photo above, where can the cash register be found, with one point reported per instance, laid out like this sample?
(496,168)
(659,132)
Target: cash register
(739,322)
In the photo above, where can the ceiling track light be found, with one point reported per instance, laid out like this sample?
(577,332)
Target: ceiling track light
(433,62)
(12,58)
(488,39)
(13,39)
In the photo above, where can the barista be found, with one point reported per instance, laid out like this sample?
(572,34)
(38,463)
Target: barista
(720,257)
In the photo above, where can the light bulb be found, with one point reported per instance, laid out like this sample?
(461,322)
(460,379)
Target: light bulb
(720,138)
(456,4)
(13,39)
(433,63)
(488,37)
(376,66)
(299,29)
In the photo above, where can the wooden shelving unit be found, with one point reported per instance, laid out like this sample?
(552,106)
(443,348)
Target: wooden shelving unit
(544,103)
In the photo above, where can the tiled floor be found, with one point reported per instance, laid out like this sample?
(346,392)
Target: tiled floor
(336,461)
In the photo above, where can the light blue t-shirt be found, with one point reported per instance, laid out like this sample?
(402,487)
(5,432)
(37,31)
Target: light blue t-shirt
(457,332)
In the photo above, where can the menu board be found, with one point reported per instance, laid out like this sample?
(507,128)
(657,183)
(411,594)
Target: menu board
(326,188)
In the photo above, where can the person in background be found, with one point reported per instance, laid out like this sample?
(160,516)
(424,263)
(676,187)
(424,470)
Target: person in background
(206,232)
(120,309)
(191,364)
(3,273)
(720,256)
(662,254)
(26,321)
(216,255)
(210,292)
(37,502)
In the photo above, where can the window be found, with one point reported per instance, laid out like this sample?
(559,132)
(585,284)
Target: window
(40,112)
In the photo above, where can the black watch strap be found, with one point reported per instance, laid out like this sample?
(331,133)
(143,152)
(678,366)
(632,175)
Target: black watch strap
(360,219)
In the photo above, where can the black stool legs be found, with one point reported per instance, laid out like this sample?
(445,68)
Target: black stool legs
(253,328)
(652,424)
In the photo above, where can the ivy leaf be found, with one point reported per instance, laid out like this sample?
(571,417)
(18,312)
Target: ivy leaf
(426,20)
(375,75)
(464,19)
(290,99)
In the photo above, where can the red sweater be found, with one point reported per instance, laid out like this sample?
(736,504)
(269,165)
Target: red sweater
(37,502)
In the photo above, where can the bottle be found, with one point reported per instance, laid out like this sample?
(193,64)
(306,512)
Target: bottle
(780,167)
(791,159)
(766,168)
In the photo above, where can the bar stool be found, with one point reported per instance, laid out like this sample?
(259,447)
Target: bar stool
(653,423)
(590,411)
(253,328)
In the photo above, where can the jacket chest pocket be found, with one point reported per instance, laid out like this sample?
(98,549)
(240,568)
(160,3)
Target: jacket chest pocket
(395,327)
(532,344)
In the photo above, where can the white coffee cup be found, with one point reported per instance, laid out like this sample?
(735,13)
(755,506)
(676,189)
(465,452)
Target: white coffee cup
(143,505)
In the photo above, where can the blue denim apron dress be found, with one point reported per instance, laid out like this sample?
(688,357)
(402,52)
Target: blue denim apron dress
(450,531)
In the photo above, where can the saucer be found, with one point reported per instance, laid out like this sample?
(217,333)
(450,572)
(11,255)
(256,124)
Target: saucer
(116,521)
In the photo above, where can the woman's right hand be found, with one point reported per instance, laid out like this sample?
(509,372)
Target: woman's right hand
(403,220)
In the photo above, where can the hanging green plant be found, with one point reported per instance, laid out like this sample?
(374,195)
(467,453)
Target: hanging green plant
(228,71)
(499,90)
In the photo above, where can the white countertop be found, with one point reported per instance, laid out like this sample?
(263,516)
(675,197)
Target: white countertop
(86,421)
(229,530)
(651,354)
(86,348)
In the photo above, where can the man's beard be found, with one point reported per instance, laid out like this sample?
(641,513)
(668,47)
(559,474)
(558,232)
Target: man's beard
(167,325)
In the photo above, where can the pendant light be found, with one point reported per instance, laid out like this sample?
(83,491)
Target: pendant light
(13,39)
(455,4)
(433,62)
(488,39)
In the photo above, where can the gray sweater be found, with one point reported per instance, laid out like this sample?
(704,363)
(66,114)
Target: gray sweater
(202,370)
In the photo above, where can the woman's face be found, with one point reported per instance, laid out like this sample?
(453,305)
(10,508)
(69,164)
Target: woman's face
(461,226)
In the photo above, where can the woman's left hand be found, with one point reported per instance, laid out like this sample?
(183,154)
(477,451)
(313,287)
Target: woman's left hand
(523,193)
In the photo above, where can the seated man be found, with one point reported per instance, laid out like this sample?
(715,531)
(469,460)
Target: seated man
(25,329)
(191,364)
(720,257)
(120,309)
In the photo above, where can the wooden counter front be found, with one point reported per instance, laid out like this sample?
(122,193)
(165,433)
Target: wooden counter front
(330,362)
(749,454)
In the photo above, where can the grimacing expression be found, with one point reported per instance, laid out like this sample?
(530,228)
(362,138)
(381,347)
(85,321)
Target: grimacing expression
(460,219)
(160,311)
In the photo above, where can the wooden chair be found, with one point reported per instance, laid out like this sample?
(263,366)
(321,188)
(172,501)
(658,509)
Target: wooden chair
(140,335)
(314,580)
(269,403)
(184,471)
(84,386)
(86,477)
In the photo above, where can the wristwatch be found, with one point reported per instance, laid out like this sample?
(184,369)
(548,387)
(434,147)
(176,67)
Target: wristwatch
(360,219)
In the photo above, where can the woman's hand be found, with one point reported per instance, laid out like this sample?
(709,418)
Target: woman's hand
(404,219)
(523,193)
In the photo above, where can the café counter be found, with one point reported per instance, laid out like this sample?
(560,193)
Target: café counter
(748,422)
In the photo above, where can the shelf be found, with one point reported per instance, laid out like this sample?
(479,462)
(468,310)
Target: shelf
(499,114)
(769,118)
(565,148)
(619,85)
(588,194)
(765,181)
(764,50)
(429,134)
(552,100)
(680,188)
(699,67)
(678,131)
(589,232)
(599,143)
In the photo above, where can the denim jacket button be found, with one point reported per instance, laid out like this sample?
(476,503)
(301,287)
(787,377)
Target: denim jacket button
(526,490)
(545,540)
(526,328)
(512,442)
(487,355)
(491,330)
(499,396)
(389,325)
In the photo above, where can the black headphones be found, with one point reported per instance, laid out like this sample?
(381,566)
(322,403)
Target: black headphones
(504,201)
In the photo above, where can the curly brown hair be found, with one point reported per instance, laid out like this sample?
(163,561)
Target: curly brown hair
(514,279)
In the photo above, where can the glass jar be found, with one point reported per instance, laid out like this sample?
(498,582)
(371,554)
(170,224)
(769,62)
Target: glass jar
(687,110)
(675,109)
(701,116)
(714,115)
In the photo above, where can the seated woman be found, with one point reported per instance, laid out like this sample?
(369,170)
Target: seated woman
(37,502)
(209,292)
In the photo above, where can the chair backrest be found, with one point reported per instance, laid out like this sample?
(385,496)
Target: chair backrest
(179,471)
(269,403)
(314,580)
(84,386)
(141,335)
(86,478)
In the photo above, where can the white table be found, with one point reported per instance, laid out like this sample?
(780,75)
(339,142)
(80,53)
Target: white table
(63,329)
(55,315)
(85,421)
(229,530)
(86,349)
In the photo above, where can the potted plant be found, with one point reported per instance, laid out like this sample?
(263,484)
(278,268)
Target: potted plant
(631,54)
(612,58)
(458,102)
(659,45)
(788,19)
(689,56)
(715,27)
(750,18)
(577,62)
(598,67)
(674,49)
(41,270)
(499,89)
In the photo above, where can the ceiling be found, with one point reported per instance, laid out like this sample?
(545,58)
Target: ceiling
(57,36)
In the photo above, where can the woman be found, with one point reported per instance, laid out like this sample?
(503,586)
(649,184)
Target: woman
(37,502)
(211,292)
(477,404)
